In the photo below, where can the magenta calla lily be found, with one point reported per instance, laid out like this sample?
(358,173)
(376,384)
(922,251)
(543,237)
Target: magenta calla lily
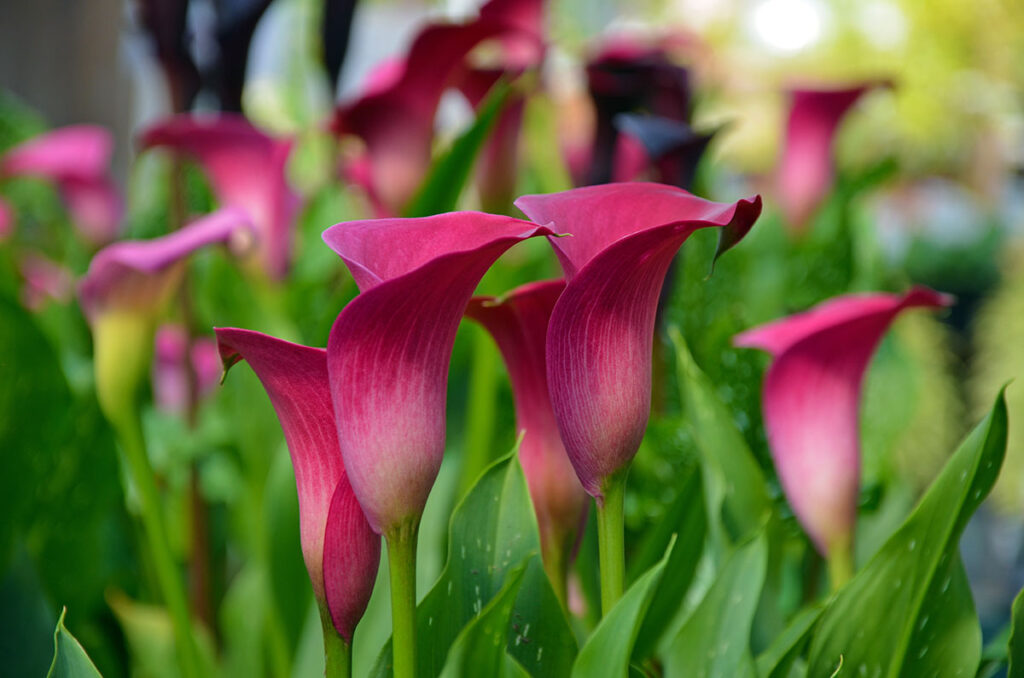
(600,337)
(395,114)
(811,402)
(248,170)
(340,550)
(807,170)
(518,322)
(389,348)
(138,276)
(77,160)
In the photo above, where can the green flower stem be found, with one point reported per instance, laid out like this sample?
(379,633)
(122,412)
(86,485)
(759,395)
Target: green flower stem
(611,540)
(840,563)
(337,652)
(129,433)
(401,542)
(480,409)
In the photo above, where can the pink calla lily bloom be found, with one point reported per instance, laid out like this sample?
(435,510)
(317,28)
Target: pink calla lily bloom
(389,349)
(77,160)
(395,114)
(247,169)
(623,238)
(340,550)
(518,322)
(140,275)
(45,280)
(807,169)
(811,402)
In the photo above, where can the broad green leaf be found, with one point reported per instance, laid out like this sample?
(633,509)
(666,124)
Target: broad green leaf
(909,610)
(1016,645)
(448,176)
(607,652)
(689,526)
(150,637)
(479,649)
(492,531)
(69,657)
(539,638)
(734,486)
(715,640)
(289,583)
(777,659)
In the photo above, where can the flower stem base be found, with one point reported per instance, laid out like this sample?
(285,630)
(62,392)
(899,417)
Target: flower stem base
(401,542)
(611,540)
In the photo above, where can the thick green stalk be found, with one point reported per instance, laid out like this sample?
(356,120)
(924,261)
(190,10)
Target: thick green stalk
(337,652)
(481,409)
(840,563)
(129,433)
(611,535)
(401,543)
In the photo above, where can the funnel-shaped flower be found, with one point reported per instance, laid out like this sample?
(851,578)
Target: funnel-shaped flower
(602,328)
(174,358)
(671,146)
(395,114)
(77,160)
(811,401)
(807,170)
(519,324)
(127,284)
(341,551)
(389,348)
(247,169)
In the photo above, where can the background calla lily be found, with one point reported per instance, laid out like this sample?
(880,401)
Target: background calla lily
(340,550)
(599,342)
(389,348)
(394,116)
(518,322)
(811,402)
(77,160)
(248,170)
(173,359)
(806,170)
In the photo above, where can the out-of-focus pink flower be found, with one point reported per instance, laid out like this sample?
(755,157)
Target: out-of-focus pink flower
(807,170)
(394,116)
(172,361)
(389,349)
(340,550)
(45,280)
(77,160)
(602,328)
(247,169)
(811,402)
(138,276)
(518,322)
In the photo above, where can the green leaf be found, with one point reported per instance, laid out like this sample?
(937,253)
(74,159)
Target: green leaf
(69,657)
(715,640)
(607,652)
(909,610)
(492,531)
(448,176)
(540,638)
(1016,645)
(479,649)
(286,571)
(689,525)
(150,638)
(734,486)
(778,658)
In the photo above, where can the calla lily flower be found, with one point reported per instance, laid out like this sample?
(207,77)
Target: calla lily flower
(45,280)
(519,323)
(173,358)
(395,115)
(389,349)
(811,401)
(247,169)
(77,160)
(126,286)
(672,147)
(602,327)
(807,170)
(340,550)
